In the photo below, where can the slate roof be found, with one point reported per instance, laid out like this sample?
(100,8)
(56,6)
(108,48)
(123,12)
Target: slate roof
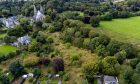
(22,40)
(10,22)
(110,80)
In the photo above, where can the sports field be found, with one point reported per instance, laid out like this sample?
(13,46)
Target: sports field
(6,49)
(126,30)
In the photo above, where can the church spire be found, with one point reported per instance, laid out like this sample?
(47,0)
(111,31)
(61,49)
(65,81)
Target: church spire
(41,9)
(35,11)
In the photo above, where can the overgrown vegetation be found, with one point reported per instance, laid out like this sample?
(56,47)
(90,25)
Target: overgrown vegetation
(69,42)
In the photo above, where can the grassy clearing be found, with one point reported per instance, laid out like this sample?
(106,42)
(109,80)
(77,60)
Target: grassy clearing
(6,49)
(126,30)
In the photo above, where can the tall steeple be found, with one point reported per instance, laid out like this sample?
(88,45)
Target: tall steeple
(38,14)
(41,9)
(35,11)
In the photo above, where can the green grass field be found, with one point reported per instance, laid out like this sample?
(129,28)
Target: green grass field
(126,30)
(7,49)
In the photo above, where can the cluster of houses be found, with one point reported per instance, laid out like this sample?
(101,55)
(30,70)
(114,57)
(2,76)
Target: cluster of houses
(11,22)
(38,16)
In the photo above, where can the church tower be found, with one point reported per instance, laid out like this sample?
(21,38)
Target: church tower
(41,10)
(38,14)
(35,11)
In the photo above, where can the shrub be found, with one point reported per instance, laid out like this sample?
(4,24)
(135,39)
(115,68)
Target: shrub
(68,45)
(76,24)
(58,26)
(106,17)
(104,40)
(95,21)
(66,77)
(34,34)
(113,47)
(41,38)
(8,56)
(16,69)
(47,19)
(31,60)
(84,31)
(130,50)
(78,34)
(58,65)
(127,75)
(78,42)
(123,14)
(31,80)
(86,20)
(93,34)
(108,66)
(138,68)
(34,47)
(134,62)
(101,51)
(4,79)
(39,24)
(90,69)
(74,57)
(37,72)
(51,29)
(45,61)
(94,43)
(49,40)
(9,39)
(121,56)
(47,49)
(67,35)
(86,43)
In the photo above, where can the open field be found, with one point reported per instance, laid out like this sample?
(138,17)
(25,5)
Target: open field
(6,49)
(125,30)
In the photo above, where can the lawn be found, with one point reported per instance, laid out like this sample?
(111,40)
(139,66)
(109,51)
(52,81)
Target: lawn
(7,49)
(126,30)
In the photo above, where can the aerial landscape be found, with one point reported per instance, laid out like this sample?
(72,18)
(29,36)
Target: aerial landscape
(69,41)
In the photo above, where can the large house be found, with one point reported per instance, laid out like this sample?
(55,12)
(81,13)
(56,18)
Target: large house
(105,79)
(110,80)
(25,40)
(38,14)
(10,22)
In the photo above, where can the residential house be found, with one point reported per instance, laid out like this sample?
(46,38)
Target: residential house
(104,79)
(25,40)
(10,22)
(110,80)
